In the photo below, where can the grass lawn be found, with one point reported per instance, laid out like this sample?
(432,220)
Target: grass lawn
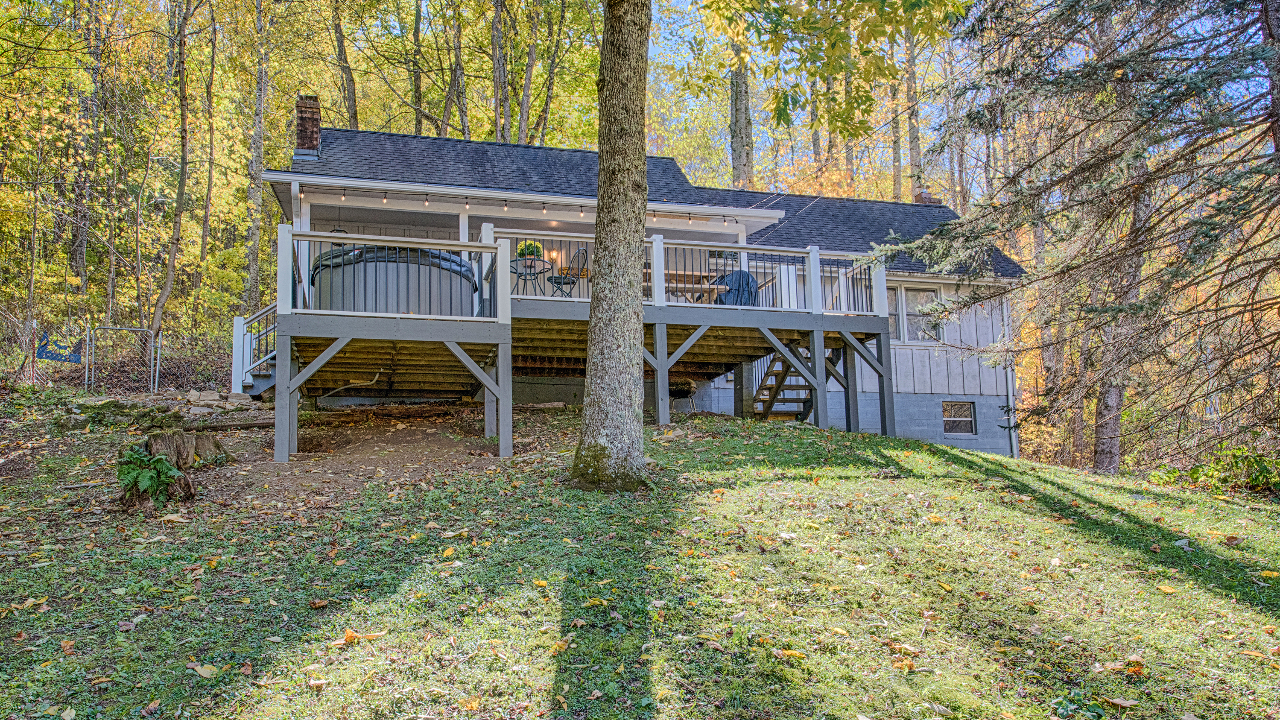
(772,571)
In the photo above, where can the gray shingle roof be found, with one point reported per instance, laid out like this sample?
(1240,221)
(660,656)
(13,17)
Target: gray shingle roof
(495,166)
(848,225)
(831,223)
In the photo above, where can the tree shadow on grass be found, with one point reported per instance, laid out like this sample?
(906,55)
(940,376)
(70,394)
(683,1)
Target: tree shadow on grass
(1213,572)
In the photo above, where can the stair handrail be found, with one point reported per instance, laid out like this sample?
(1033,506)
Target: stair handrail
(253,344)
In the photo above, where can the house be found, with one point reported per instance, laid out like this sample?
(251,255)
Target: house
(432,268)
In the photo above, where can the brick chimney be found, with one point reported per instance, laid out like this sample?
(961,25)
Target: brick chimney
(308,127)
(924,198)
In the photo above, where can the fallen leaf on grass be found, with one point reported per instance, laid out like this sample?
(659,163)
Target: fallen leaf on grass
(204,671)
(1121,702)
(1166,589)
(945,587)
(66,647)
(595,694)
(275,639)
(267,682)
(787,653)
(247,668)
(174,518)
(540,583)
(68,714)
(1232,540)
(1269,573)
(317,604)
(1252,653)
(447,552)
(715,645)
(317,684)
(578,622)
(151,708)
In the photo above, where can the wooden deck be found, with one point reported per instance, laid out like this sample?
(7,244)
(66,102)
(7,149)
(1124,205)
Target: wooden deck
(484,344)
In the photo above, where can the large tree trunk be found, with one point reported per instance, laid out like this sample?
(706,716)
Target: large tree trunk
(1269,15)
(895,129)
(527,91)
(501,91)
(252,292)
(815,132)
(344,66)
(544,117)
(913,122)
(416,73)
(463,122)
(184,158)
(208,189)
(741,140)
(611,449)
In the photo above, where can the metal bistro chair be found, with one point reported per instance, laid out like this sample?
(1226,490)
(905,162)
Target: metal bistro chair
(562,285)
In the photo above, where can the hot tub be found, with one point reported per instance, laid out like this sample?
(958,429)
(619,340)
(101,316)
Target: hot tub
(379,279)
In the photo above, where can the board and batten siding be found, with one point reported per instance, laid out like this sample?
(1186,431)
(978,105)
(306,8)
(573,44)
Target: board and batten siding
(928,368)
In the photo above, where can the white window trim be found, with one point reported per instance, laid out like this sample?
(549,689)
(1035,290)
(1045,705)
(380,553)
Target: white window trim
(902,286)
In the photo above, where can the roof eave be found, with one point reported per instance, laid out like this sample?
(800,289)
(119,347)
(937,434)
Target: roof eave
(282,176)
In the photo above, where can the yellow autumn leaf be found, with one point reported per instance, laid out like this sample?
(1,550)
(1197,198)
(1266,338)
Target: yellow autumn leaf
(339,562)
(840,631)
(1269,573)
(945,586)
(540,583)
(447,552)
(1166,589)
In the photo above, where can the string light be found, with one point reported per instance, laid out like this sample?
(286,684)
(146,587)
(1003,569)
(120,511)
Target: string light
(384,198)
(724,221)
(544,208)
(344,196)
(504,206)
(579,211)
(426,200)
(690,219)
(467,205)
(301,194)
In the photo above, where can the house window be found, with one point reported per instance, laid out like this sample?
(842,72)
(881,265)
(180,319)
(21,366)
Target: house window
(919,327)
(893,312)
(957,418)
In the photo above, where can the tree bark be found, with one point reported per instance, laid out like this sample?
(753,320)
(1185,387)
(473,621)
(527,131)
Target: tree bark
(463,122)
(741,139)
(416,73)
(184,159)
(344,66)
(1269,15)
(208,189)
(252,292)
(895,129)
(850,153)
(815,132)
(501,92)
(544,117)
(530,60)
(913,121)
(610,451)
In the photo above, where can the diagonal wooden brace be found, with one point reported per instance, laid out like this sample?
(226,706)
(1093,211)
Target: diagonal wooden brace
(296,383)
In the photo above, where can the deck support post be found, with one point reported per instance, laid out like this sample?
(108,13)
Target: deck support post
(661,383)
(286,409)
(888,423)
(818,362)
(852,422)
(505,442)
(744,393)
(491,405)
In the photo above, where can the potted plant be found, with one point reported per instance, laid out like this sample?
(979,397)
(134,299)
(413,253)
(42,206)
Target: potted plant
(529,249)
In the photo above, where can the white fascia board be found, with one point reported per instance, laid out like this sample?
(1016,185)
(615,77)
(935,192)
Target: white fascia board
(760,216)
(937,278)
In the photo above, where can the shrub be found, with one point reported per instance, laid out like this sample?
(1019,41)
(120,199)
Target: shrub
(1237,467)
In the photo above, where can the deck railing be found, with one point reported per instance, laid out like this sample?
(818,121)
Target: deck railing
(559,266)
(377,275)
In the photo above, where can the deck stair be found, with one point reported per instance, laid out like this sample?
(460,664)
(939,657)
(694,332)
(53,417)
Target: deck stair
(782,385)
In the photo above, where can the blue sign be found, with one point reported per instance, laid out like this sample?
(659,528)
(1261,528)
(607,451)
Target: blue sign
(57,351)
